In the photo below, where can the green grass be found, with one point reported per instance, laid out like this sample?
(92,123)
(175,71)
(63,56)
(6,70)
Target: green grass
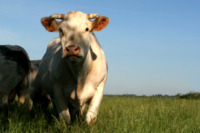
(116,115)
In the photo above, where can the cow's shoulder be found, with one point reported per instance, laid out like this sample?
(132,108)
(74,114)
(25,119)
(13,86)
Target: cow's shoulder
(54,43)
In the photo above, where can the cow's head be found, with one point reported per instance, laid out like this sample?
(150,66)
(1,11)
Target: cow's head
(75,30)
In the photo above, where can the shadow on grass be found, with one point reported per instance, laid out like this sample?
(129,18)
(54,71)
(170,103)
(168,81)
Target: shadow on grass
(20,119)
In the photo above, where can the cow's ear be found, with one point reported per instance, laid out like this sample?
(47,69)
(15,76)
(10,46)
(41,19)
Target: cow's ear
(50,24)
(100,23)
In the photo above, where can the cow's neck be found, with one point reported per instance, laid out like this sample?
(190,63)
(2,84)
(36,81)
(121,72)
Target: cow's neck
(80,70)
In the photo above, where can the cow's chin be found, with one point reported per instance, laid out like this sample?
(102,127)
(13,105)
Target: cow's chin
(74,59)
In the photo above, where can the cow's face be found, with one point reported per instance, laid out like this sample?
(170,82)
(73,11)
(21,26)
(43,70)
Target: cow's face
(75,32)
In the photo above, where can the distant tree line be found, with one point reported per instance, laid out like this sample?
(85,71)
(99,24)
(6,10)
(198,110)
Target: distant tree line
(190,95)
(142,96)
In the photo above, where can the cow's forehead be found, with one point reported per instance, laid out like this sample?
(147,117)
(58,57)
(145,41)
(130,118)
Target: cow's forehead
(76,14)
(76,20)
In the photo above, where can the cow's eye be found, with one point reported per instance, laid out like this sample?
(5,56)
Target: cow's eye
(61,32)
(87,29)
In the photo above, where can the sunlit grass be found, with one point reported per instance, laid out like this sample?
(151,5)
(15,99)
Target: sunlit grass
(117,115)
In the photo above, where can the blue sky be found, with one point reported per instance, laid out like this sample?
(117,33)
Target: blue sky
(152,47)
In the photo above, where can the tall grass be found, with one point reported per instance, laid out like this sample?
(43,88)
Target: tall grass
(117,115)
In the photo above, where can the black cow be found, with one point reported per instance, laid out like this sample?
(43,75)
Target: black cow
(15,75)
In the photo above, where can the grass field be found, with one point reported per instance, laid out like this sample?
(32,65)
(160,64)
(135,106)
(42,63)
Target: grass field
(116,115)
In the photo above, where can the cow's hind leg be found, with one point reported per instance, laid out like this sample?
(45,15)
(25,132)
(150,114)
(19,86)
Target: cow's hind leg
(3,107)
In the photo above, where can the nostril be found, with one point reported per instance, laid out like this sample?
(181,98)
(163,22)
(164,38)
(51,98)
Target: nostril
(67,49)
(77,49)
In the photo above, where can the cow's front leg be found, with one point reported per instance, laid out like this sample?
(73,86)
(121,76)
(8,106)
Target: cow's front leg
(91,116)
(61,106)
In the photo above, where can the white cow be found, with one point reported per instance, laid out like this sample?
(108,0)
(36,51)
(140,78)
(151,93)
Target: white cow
(73,70)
